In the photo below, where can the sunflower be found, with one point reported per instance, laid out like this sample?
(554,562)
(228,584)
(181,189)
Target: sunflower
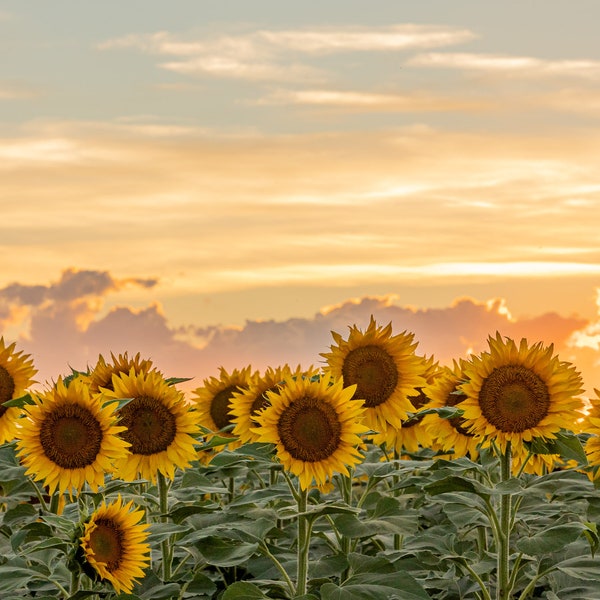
(69,437)
(518,393)
(101,375)
(16,375)
(114,545)
(412,435)
(450,436)
(158,424)
(315,427)
(247,403)
(213,399)
(592,426)
(384,368)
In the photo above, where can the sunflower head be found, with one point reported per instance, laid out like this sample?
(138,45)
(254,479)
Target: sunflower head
(384,368)
(158,424)
(213,399)
(114,545)
(102,373)
(516,393)
(412,435)
(248,402)
(16,375)
(449,436)
(315,427)
(69,438)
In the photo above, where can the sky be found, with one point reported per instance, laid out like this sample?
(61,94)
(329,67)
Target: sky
(225,183)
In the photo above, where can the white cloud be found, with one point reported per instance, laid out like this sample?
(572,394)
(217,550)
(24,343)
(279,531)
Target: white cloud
(524,66)
(272,55)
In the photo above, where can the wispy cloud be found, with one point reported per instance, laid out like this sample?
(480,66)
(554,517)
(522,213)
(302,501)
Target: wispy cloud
(11,90)
(273,54)
(523,66)
(357,101)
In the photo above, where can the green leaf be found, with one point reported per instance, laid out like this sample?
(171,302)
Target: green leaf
(567,445)
(13,578)
(176,380)
(226,553)
(19,402)
(551,539)
(374,586)
(243,590)
(456,483)
(587,569)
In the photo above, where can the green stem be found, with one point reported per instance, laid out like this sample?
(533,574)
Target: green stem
(265,550)
(345,541)
(303,543)
(484,592)
(163,500)
(503,590)
(55,502)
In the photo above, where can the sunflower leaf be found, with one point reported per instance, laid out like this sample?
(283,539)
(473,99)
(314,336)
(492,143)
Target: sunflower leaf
(243,590)
(176,380)
(19,402)
(566,444)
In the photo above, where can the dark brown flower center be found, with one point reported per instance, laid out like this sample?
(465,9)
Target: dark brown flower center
(151,426)
(418,401)
(106,541)
(513,398)
(310,429)
(220,409)
(71,436)
(262,401)
(373,371)
(457,422)
(7,388)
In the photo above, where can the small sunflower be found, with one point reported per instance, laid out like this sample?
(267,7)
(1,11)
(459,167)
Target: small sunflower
(16,375)
(101,375)
(450,436)
(114,545)
(69,437)
(213,399)
(518,393)
(412,435)
(158,424)
(315,427)
(247,403)
(384,368)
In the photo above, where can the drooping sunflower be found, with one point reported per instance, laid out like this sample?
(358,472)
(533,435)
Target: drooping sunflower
(101,375)
(385,369)
(315,427)
(247,403)
(412,435)
(16,375)
(449,436)
(213,399)
(69,437)
(518,393)
(114,545)
(158,423)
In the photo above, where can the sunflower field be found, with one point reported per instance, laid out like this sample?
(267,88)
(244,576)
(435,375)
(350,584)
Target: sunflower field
(381,475)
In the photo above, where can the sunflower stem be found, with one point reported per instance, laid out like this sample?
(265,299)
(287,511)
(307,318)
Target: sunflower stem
(303,543)
(503,587)
(163,499)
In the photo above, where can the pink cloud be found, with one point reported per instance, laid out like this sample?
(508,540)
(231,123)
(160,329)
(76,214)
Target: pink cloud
(65,327)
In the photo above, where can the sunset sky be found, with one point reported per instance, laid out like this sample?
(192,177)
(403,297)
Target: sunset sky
(223,183)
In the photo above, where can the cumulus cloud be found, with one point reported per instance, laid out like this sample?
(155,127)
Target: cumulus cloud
(66,327)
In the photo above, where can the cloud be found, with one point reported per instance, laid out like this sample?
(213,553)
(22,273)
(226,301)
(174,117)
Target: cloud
(522,66)
(12,90)
(356,101)
(269,54)
(67,326)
